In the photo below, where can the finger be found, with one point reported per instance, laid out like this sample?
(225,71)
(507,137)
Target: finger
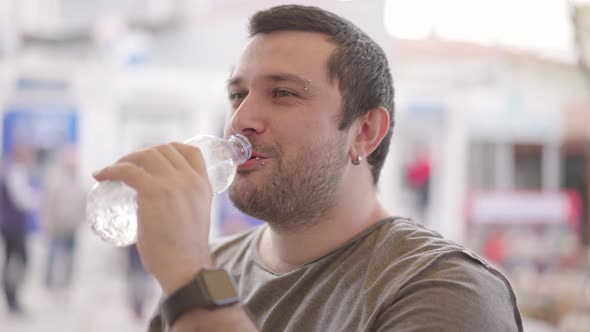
(151,160)
(193,156)
(128,173)
(174,157)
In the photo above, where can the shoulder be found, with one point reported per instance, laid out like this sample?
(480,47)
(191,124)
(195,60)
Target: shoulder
(437,276)
(407,241)
(415,251)
(407,247)
(15,169)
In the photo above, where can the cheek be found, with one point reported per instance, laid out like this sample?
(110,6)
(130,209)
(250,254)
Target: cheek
(310,130)
(296,140)
(297,143)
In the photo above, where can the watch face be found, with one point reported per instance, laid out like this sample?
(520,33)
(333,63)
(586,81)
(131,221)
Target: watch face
(219,285)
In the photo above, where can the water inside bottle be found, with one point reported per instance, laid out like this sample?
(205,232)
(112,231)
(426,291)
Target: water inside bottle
(221,175)
(112,208)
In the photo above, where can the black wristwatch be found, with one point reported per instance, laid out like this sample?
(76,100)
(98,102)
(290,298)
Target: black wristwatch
(209,289)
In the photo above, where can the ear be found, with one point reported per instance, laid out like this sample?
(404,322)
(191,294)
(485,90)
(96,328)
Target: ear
(370,131)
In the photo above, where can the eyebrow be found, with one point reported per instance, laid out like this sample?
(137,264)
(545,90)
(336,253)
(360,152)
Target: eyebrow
(280,77)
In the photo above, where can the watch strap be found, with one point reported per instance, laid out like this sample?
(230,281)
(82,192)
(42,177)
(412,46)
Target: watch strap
(186,298)
(208,289)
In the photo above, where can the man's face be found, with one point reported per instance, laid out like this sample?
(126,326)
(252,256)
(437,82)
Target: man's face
(285,102)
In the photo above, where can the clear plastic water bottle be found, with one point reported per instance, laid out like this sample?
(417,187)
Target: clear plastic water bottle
(112,206)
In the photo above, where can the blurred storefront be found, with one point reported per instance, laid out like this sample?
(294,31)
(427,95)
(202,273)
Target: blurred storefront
(509,142)
(575,154)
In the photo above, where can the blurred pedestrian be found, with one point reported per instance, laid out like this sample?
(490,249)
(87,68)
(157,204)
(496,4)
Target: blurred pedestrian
(418,177)
(139,283)
(63,212)
(17,199)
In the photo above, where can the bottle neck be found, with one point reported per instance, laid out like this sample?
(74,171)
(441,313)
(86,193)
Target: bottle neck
(241,148)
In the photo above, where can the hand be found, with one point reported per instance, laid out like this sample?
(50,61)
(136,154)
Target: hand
(174,203)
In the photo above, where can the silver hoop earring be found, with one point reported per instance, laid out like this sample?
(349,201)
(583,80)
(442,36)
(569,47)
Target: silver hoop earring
(357,161)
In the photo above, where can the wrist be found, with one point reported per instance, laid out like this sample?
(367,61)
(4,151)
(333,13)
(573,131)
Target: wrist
(172,280)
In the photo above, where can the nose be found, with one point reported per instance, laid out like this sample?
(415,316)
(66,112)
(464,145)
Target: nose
(248,118)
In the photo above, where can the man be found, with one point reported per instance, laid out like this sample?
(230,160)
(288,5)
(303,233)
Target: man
(63,211)
(17,200)
(315,96)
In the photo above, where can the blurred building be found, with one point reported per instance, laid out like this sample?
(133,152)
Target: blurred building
(501,117)
(510,160)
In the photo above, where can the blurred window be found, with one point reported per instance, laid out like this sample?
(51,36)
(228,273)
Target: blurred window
(576,176)
(528,166)
(482,163)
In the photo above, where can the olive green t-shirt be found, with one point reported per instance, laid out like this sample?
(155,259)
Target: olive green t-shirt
(395,276)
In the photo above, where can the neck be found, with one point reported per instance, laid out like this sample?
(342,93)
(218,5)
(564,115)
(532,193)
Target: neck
(283,250)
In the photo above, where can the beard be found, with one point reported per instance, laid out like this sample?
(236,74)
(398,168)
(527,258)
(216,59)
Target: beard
(298,191)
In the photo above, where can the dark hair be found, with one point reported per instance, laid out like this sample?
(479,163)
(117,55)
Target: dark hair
(359,64)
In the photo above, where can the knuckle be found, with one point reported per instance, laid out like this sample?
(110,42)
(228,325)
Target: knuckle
(191,149)
(150,153)
(191,153)
(166,147)
(176,145)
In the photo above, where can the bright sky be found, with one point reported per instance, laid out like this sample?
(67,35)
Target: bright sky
(541,25)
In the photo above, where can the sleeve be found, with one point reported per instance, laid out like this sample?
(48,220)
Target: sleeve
(455,294)
(48,204)
(19,189)
(156,324)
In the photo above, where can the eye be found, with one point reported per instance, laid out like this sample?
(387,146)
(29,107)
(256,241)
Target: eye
(283,93)
(236,98)
(237,95)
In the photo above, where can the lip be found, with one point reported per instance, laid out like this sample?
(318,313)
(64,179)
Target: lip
(256,160)
(258,154)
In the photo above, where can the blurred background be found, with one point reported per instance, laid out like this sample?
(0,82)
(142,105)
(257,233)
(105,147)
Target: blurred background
(491,145)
